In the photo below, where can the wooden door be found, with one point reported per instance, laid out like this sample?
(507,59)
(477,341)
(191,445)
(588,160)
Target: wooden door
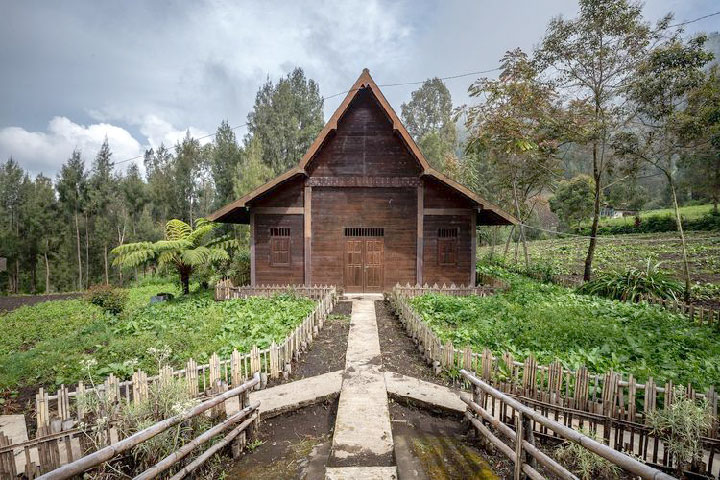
(354,265)
(364,267)
(374,277)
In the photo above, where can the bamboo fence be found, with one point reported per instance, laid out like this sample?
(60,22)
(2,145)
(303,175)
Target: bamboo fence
(57,415)
(210,406)
(611,398)
(530,460)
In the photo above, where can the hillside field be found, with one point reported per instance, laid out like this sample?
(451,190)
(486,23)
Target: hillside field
(566,256)
(688,212)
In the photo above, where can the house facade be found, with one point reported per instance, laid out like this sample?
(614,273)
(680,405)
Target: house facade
(363,210)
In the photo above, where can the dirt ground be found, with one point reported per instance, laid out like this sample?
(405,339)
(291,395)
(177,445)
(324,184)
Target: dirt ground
(436,447)
(9,303)
(327,352)
(294,445)
(399,352)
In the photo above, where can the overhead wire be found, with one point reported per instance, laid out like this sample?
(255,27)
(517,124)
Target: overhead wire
(450,77)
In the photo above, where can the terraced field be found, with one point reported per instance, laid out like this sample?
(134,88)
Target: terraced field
(566,256)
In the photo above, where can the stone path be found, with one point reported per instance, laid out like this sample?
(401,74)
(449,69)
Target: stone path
(362,444)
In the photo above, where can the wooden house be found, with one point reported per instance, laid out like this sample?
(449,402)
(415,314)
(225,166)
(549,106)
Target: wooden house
(363,210)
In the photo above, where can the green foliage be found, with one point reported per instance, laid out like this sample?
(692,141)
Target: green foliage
(47,342)
(566,255)
(184,249)
(553,322)
(107,297)
(286,118)
(633,284)
(680,427)
(586,464)
(573,199)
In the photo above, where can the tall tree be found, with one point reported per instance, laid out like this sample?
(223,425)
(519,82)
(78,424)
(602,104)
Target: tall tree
(428,116)
(72,189)
(593,56)
(660,97)
(517,127)
(286,118)
(12,182)
(159,166)
(187,167)
(225,157)
(40,227)
(101,196)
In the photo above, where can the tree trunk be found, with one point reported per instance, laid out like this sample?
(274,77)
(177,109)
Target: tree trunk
(185,279)
(678,220)
(597,175)
(507,242)
(80,270)
(105,255)
(87,253)
(522,229)
(47,273)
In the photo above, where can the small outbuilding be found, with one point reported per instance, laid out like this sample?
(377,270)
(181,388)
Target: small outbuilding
(363,210)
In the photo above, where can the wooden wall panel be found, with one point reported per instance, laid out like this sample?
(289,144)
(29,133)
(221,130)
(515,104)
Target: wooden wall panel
(264,272)
(364,145)
(432,271)
(438,195)
(394,209)
(290,194)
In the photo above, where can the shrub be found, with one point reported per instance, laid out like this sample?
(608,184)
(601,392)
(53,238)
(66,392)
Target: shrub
(633,284)
(680,427)
(109,298)
(585,463)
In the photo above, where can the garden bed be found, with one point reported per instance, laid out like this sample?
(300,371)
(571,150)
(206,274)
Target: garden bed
(47,343)
(551,322)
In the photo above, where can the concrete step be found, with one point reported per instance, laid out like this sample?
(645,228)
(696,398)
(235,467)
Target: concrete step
(361,473)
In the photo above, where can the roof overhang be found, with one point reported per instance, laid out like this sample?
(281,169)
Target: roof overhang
(239,211)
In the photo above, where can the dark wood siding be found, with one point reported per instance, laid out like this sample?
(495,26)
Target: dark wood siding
(438,195)
(364,145)
(333,209)
(265,273)
(433,271)
(289,194)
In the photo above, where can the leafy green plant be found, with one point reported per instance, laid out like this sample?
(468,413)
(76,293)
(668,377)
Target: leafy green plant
(554,323)
(110,299)
(680,427)
(586,464)
(184,249)
(634,284)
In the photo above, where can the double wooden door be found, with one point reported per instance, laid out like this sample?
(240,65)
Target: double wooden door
(364,269)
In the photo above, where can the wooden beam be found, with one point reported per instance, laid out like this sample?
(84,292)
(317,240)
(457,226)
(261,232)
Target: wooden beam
(252,249)
(279,210)
(307,229)
(420,240)
(363,181)
(448,211)
(473,246)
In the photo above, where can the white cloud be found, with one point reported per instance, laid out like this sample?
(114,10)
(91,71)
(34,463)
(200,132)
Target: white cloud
(46,151)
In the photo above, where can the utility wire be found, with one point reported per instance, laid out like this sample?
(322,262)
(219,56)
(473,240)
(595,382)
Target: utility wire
(451,77)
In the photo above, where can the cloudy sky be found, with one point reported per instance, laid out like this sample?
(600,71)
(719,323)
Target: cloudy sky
(142,73)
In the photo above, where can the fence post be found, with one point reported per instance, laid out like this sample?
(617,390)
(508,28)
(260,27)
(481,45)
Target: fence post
(519,435)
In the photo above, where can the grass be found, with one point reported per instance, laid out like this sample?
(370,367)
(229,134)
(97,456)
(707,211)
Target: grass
(46,343)
(553,322)
(690,212)
(566,256)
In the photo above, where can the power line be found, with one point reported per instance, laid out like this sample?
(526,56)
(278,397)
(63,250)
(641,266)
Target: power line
(451,77)
(694,20)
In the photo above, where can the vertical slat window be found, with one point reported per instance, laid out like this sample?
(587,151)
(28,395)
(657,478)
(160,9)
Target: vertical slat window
(447,246)
(279,247)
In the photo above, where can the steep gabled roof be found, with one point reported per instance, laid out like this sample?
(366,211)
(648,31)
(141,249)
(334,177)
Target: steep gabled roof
(237,210)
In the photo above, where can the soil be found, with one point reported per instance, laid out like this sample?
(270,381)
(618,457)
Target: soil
(9,303)
(437,447)
(294,445)
(327,352)
(399,352)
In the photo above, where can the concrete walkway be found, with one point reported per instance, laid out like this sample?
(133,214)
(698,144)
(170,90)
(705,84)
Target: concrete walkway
(362,445)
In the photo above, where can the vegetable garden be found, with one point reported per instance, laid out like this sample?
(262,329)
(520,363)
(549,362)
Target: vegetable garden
(47,343)
(552,322)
